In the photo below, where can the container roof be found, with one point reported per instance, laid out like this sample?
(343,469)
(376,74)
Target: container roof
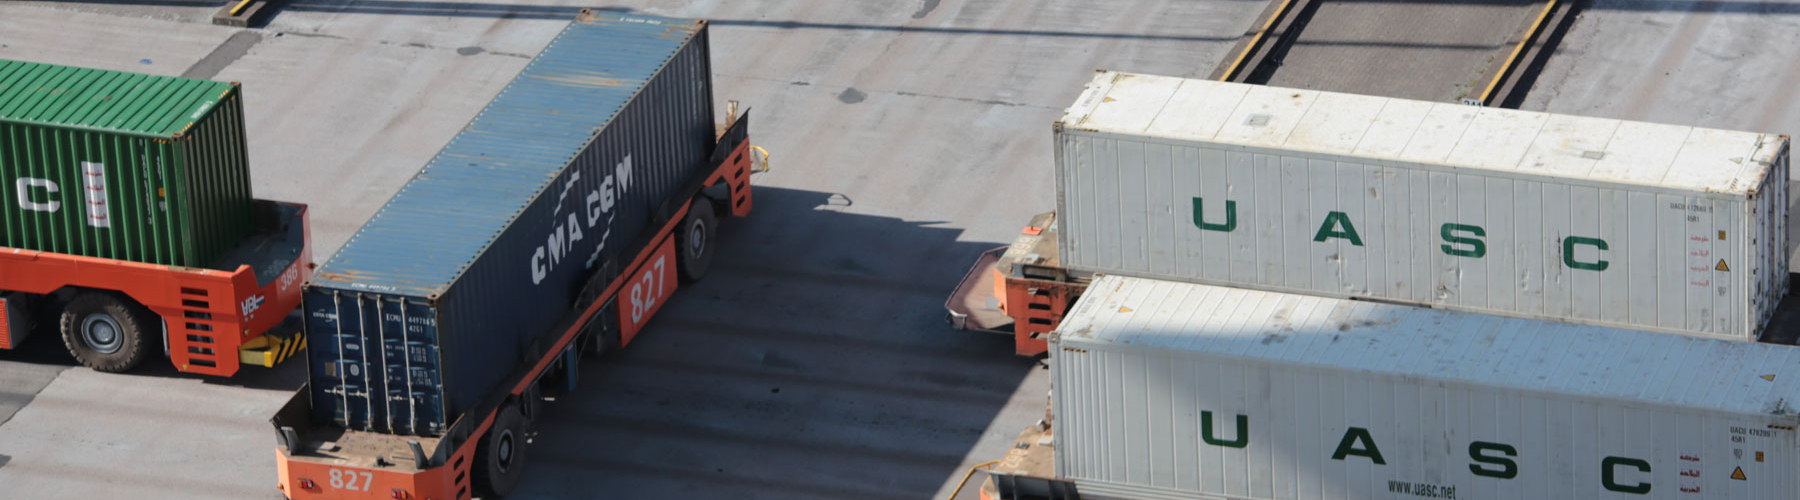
(114,101)
(423,239)
(1523,354)
(1454,134)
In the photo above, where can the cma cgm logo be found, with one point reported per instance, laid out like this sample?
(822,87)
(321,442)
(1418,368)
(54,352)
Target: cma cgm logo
(566,232)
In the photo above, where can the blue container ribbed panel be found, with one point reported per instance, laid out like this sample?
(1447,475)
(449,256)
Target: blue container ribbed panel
(424,238)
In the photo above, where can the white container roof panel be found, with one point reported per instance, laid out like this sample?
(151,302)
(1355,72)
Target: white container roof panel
(1325,127)
(1450,134)
(1565,138)
(1210,107)
(1134,313)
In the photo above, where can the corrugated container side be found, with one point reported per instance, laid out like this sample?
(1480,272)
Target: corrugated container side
(1514,243)
(510,281)
(1281,431)
(1176,391)
(1772,216)
(213,183)
(121,165)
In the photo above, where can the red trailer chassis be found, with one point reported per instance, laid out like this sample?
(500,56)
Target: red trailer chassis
(213,321)
(1019,290)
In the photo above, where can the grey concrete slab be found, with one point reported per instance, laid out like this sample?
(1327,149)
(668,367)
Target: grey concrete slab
(73,33)
(168,11)
(512,28)
(1434,50)
(1712,64)
(25,372)
(813,363)
(158,435)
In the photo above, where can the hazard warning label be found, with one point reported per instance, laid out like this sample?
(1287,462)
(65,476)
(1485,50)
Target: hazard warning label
(1722,266)
(1738,474)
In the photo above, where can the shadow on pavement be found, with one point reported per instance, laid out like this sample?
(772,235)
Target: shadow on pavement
(813,362)
(44,349)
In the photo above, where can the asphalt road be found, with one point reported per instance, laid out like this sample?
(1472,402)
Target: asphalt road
(813,362)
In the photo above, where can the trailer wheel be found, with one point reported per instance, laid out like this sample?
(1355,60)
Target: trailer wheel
(106,332)
(501,455)
(695,241)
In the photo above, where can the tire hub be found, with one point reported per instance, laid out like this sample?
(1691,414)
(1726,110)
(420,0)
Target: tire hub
(696,238)
(102,333)
(503,450)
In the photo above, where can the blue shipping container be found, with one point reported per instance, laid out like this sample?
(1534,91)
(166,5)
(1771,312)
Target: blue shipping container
(424,312)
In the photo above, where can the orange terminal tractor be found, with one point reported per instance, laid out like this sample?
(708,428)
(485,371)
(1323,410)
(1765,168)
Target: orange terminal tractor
(127,224)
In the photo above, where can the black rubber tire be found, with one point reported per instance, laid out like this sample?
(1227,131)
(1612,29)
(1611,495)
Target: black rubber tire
(108,332)
(696,241)
(496,475)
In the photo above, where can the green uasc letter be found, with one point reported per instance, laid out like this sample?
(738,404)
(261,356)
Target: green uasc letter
(1609,464)
(1230,217)
(1329,229)
(1348,446)
(1243,431)
(1476,247)
(1479,451)
(1569,253)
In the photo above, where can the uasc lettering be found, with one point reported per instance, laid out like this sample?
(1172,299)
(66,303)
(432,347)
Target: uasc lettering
(1459,240)
(1487,459)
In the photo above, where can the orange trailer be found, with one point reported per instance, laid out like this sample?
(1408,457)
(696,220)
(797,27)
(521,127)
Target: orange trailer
(113,314)
(1020,290)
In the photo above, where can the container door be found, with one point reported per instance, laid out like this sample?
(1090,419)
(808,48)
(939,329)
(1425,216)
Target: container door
(375,362)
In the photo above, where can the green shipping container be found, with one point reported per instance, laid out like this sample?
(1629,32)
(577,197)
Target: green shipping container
(121,165)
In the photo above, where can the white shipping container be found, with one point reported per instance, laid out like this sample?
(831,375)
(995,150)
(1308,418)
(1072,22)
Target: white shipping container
(1606,222)
(1166,390)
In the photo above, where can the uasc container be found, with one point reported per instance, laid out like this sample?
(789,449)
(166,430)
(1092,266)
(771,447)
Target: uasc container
(1597,221)
(1167,390)
(438,297)
(121,165)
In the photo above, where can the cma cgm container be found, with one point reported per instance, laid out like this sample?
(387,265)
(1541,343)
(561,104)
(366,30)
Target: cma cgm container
(439,295)
(1168,390)
(121,165)
(555,224)
(1606,222)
